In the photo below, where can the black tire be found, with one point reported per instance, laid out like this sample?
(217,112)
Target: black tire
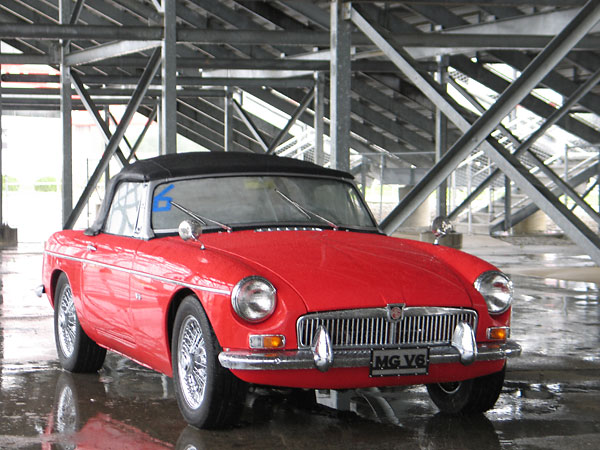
(76,351)
(219,402)
(472,396)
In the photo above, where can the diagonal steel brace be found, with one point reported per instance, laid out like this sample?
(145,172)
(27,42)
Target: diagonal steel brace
(132,107)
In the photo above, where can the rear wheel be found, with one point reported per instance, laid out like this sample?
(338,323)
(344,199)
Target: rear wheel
(476,395)
(209,396)
(76,351)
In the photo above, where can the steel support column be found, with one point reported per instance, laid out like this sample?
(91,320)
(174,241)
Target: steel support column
(168,122)
(132,107)
(480,130)
(1,172)
(319,125)
(65,113)
(507,204)
(228,120)
(340,84)
(441,137)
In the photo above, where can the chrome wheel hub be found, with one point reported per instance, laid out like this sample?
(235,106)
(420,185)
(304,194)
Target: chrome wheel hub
(191,361)
(67,322)
(450,388)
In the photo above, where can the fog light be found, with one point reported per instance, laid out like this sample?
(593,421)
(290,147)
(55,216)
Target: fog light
(498,333)
(269,341)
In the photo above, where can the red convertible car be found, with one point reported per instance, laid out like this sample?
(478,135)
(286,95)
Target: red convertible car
(226,269)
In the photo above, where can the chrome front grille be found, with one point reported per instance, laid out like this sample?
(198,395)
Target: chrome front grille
(372,328)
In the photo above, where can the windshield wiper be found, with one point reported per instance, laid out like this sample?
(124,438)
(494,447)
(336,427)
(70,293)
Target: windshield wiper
(200,218)
(307,212)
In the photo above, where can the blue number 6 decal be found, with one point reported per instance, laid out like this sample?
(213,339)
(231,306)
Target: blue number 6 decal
(161,201)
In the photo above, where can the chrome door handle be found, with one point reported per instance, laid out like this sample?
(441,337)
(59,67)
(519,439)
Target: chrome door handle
(91,247)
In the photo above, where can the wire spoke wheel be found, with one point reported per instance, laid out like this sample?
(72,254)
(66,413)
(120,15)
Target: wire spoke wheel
(208,395)
(67,322)
(76,351)
(191,361)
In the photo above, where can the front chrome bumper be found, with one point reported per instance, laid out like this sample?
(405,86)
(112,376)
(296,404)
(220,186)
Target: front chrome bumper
(306,359)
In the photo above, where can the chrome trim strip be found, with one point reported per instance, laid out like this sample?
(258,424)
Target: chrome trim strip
(304,359)
(141,274)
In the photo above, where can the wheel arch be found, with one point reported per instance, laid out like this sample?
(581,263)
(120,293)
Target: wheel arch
(54,282)
(174,304)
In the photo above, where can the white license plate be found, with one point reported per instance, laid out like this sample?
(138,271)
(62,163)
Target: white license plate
(405,361)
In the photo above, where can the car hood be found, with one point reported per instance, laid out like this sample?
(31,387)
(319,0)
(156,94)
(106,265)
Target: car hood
(333,270)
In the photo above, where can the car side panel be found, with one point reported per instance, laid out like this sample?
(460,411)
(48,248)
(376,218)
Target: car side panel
(105,288)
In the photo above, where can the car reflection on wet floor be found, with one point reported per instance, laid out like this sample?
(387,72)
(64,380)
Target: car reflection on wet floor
(551,398)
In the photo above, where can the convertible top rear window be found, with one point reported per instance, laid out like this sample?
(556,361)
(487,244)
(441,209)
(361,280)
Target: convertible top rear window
(260,201)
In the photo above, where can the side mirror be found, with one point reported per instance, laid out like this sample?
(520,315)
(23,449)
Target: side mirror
(440,227)
(190,230)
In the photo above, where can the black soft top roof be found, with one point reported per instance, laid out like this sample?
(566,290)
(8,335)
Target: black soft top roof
(221,163)
(206,163)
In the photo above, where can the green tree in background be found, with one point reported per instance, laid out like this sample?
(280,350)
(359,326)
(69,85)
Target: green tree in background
(9,184)
(46,184)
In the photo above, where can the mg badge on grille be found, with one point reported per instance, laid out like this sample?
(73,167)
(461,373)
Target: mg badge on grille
(396,311)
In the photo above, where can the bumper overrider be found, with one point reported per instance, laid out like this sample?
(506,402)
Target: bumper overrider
(321,355)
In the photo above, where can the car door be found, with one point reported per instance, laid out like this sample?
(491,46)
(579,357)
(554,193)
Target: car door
(107,269)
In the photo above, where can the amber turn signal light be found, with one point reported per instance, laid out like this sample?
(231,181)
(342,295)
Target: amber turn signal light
(269,341)
(498,333)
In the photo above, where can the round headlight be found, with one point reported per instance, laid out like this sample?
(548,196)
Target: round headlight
(253,299)
(497,290)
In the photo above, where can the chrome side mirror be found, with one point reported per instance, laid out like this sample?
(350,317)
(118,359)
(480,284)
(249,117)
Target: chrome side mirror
(190,230)
(440,227)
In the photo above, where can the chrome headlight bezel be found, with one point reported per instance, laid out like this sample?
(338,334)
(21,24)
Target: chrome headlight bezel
(254,299)
(497,290)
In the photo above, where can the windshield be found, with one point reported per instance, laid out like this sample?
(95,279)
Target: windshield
(244,201)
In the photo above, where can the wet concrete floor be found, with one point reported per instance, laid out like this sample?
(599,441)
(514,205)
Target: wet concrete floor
(551,398)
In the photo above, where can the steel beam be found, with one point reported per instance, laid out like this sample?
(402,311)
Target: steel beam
(525,146)
(478,132)
(250,125)
(10,58)
(284,131)
(181,81)
(340,85)
(449,41)
(523,213)
(132,107)
(110,50)
(94,112)
(140,138)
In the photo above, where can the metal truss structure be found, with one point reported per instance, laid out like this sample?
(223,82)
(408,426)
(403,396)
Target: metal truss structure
(370,77)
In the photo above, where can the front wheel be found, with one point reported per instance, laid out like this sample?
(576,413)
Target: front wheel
(208,395)
(76,351)
(476,395)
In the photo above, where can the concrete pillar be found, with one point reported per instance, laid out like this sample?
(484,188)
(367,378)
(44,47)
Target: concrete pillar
(421,217)
(537,223)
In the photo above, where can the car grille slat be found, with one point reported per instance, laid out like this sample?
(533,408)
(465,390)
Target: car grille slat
(369,328)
